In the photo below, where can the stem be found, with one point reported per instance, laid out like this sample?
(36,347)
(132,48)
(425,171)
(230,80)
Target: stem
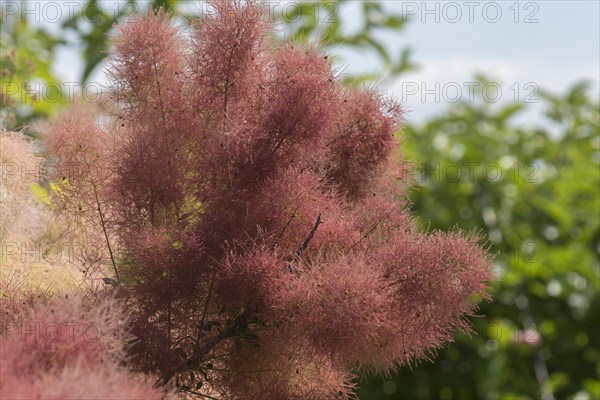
(209,294)
(240,372)
(539,365)
(304,245)
(227,78)
(231,330)
(368,232)
(103,223)
(308,239)
(286,226)
(169,306)
(288,132)
(198,393)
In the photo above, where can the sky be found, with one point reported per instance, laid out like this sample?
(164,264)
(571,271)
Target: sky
(527,45)
(521,46)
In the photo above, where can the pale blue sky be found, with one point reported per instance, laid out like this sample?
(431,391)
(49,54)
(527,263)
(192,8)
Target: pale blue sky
(561,48)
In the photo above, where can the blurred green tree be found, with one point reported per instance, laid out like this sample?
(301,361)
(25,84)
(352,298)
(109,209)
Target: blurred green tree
(535,192)
(29,90)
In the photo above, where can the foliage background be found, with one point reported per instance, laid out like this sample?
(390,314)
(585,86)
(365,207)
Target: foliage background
(533,191)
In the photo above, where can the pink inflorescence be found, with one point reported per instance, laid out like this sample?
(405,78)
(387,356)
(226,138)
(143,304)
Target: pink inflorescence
(266,247)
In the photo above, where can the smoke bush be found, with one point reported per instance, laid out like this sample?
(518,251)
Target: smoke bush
(254,214)
(66,348)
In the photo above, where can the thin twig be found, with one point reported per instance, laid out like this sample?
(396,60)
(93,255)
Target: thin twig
(227,79)
(231,330)
(286,226)
(539,365)
(204,312)
(239,372)
(195,358)
(198,393)
(304,245)
(368,232)
(170,304)
(288,132)
(308,239)
(103,223)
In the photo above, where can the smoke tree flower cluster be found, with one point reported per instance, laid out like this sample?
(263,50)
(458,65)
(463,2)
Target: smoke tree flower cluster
(66,348)
(252,212)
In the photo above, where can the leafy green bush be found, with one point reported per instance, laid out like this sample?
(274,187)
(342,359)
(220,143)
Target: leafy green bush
(536,190)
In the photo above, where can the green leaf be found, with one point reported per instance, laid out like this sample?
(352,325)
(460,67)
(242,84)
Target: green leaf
(40,194)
